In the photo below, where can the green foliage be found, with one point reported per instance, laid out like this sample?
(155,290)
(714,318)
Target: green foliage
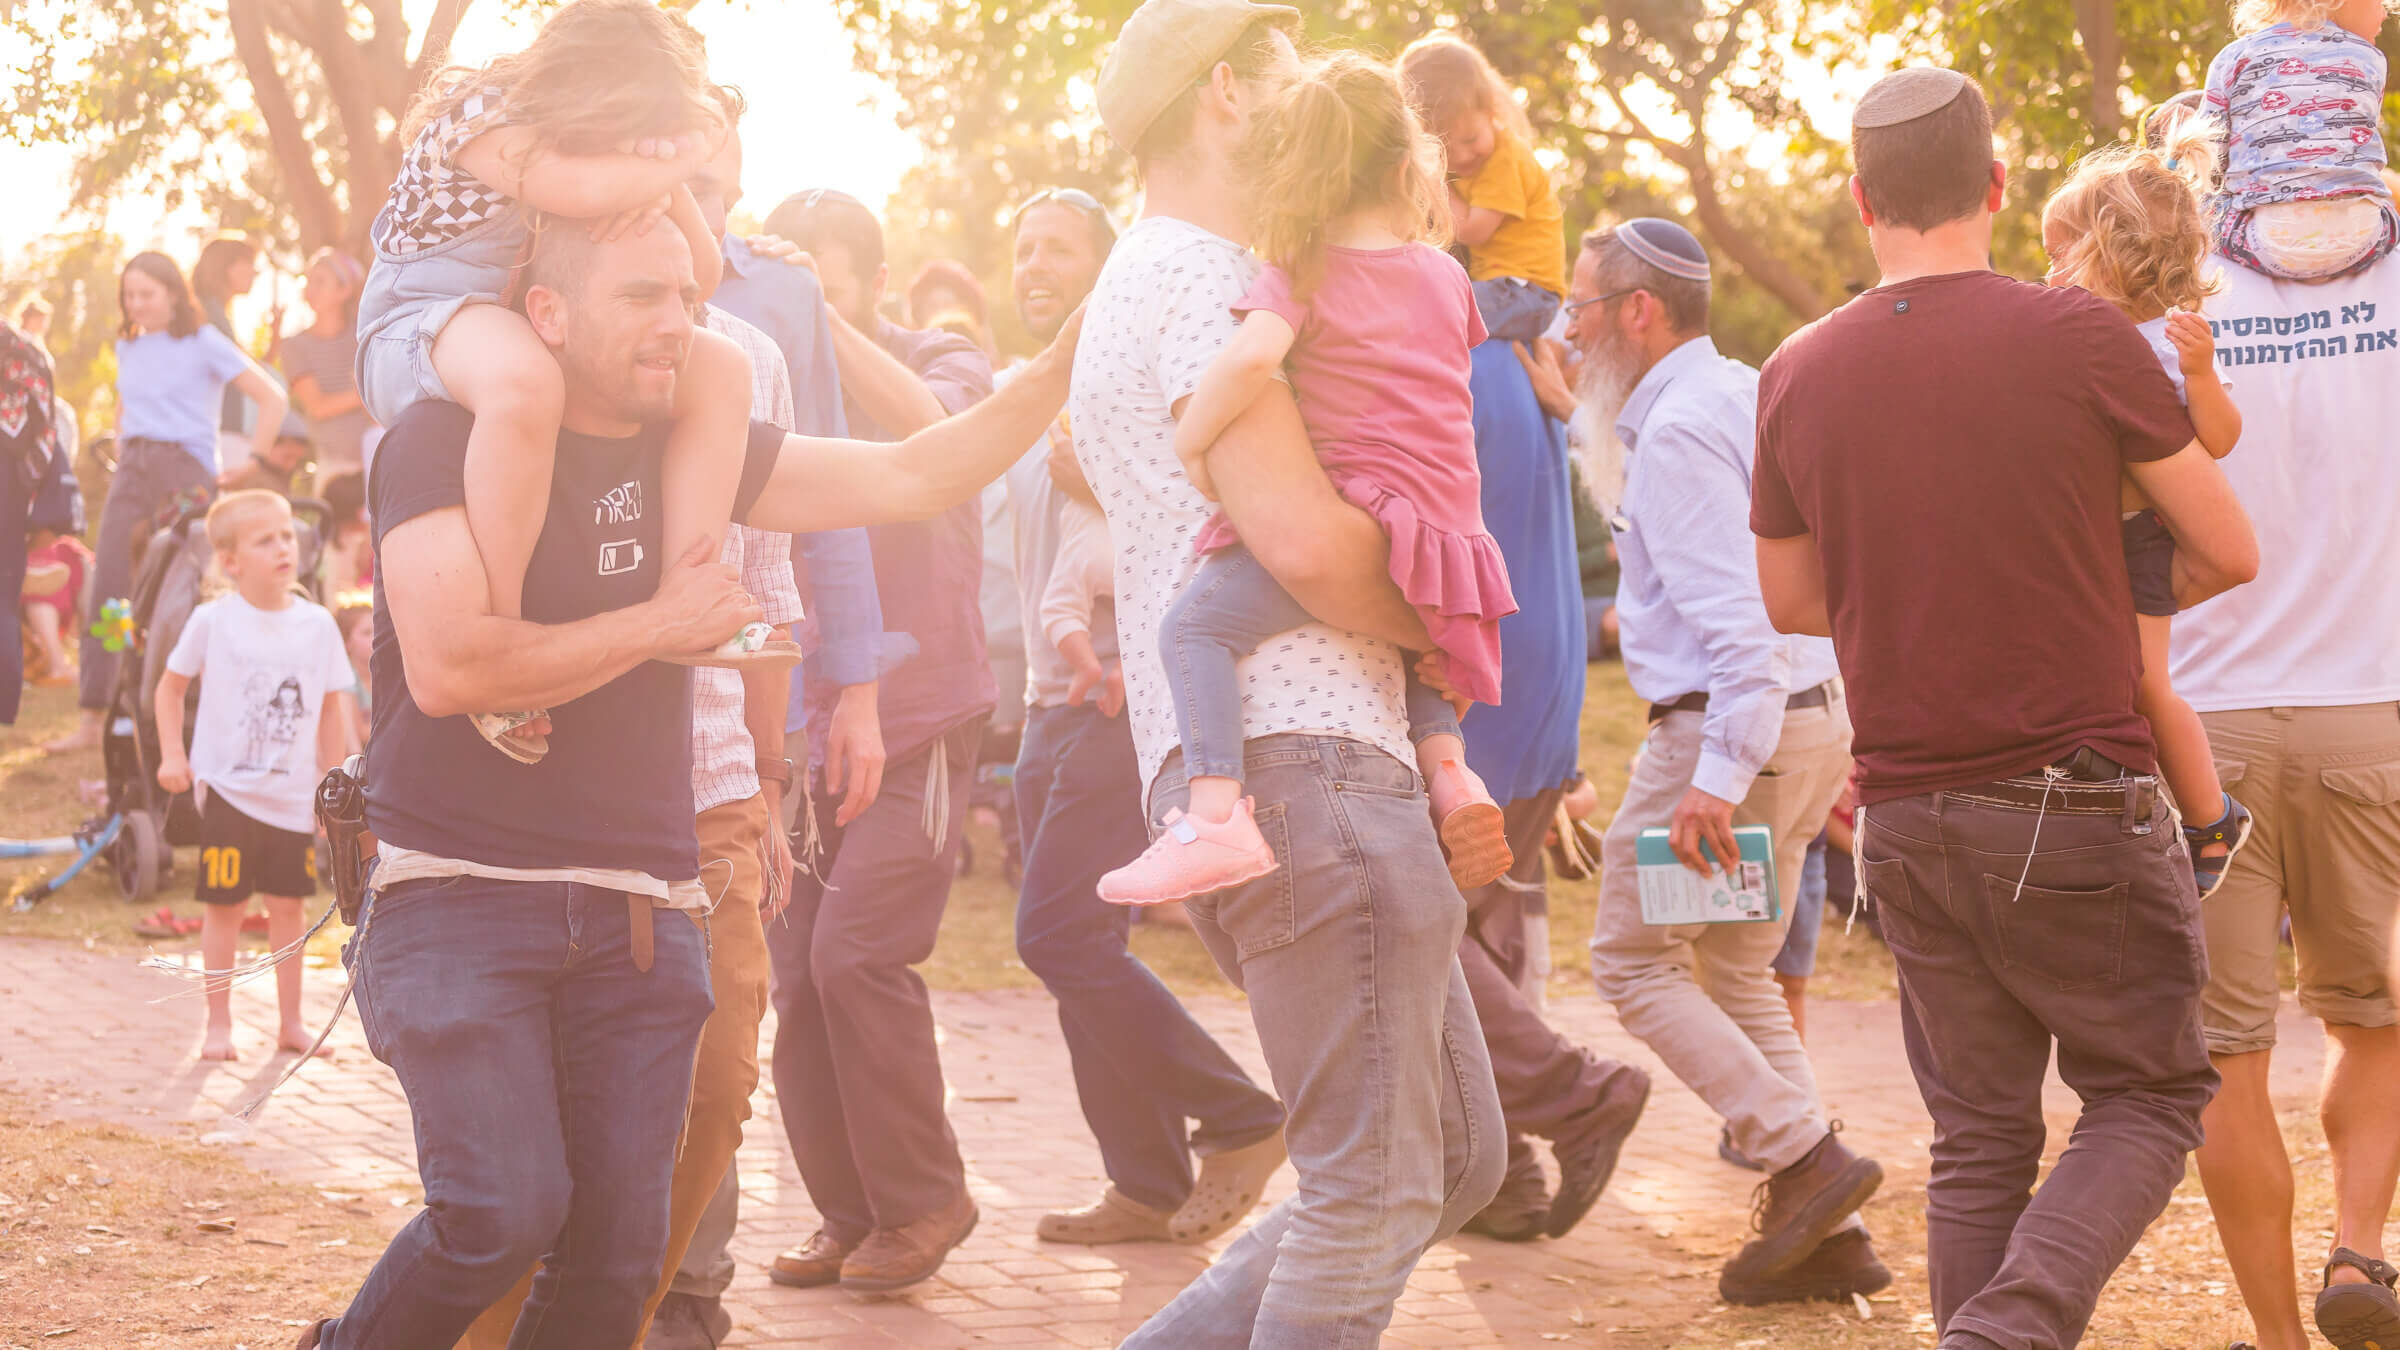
(76,275)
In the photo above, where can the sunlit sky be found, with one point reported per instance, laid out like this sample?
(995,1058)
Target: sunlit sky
(814,121)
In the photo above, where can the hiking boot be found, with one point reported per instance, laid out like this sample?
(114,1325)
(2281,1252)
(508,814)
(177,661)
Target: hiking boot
(1229,1187)
(1842,1265)
(2232,830)
(1800,1206)
(1585,1165)
(1114,1217)
(1192,857)
(895,1258)
(813,1264)
(688,1322)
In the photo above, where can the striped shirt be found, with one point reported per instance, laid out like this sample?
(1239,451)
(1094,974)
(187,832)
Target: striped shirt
(724,758)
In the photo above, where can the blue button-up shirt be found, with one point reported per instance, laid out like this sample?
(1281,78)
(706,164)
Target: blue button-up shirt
(835,568)
(1688,605)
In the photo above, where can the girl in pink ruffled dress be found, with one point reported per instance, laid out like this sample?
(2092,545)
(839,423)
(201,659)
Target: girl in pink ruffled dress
(1374,326)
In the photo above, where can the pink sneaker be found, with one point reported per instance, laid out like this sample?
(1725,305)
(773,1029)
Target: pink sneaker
(1472,829)
(1192,857)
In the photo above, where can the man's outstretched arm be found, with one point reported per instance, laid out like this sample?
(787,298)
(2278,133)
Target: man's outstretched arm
(463,658)
(1333,557)
(823,484)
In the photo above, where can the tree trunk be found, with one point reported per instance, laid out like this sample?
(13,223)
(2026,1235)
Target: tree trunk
(313,206)
(2096,22)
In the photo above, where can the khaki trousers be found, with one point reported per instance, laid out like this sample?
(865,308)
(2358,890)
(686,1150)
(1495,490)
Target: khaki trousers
(1703,996)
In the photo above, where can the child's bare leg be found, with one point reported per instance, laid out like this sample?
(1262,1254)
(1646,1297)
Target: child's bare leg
(708,443)
(42,620)
(220,934)
(2183,757)
(1213,798)
(287,919)
(499,370)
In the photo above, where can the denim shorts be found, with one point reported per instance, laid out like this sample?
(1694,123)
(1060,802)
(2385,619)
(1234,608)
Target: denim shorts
(2150,564)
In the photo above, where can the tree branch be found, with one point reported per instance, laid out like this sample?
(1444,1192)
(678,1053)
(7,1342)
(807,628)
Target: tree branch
(369,170)
(295,162)
(1755,260)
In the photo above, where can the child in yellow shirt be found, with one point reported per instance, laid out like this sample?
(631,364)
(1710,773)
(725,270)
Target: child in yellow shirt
(1502,206)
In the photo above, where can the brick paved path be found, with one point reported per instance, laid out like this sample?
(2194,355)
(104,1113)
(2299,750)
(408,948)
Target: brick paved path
(100,1046)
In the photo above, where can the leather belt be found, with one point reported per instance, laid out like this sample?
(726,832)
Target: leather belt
(1816,696)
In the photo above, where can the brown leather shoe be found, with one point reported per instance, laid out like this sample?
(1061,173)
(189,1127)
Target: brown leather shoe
(813,1264)
(895,1258)
(1800,1206)
(1842,1265)
(316,1331)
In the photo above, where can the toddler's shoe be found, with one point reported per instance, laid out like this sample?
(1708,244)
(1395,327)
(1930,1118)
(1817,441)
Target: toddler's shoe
(1192,857)
(1474,834)
(2232,830)
(513,733)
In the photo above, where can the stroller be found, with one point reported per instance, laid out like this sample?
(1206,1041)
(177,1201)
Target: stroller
(167,575)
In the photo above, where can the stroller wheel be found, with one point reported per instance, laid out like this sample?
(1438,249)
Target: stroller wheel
(138,855)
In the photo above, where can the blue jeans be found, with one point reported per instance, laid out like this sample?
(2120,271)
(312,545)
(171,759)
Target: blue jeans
(547,1078)
(1514,309)
(1143,1067)
(1229,607)
(1798,959)
(1349,954)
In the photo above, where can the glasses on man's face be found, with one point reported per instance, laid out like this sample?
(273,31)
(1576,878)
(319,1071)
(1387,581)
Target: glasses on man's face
(1581,305)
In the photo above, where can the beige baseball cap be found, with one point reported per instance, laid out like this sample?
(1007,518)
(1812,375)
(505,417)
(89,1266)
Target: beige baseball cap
(1164,49)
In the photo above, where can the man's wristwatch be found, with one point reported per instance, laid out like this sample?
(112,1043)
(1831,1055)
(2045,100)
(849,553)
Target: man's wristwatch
(777,770)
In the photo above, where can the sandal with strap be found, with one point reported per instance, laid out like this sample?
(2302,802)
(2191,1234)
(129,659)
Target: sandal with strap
(2232,829)
(2360,1316)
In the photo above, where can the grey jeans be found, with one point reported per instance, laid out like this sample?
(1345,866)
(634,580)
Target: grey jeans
(1349,953)
(150,476)
(2063,924)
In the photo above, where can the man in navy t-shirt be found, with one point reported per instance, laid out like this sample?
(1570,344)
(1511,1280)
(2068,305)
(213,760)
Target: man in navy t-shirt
(508,965)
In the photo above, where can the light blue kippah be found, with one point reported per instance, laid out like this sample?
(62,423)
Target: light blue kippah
(1666,246)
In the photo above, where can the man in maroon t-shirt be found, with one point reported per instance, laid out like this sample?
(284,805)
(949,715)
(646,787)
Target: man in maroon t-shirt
(1937,490)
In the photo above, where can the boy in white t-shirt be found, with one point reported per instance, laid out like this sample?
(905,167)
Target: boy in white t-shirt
(270,723)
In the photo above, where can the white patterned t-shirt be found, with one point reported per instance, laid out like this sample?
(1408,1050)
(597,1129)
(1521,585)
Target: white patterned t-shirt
(1161,312)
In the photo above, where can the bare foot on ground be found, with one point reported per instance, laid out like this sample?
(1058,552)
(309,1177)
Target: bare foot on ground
(218,1044)
(296,1038)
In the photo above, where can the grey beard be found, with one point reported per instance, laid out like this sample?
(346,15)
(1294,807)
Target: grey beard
(1602,385)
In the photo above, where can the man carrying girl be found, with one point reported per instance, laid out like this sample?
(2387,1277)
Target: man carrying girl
(1350,941)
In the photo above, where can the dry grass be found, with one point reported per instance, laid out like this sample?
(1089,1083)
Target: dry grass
(101,1242)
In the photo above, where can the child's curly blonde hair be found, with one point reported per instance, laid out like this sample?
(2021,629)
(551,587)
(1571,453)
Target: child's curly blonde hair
(2251,15)
(2139,239)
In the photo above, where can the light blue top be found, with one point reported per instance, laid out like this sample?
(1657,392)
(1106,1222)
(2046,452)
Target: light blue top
(172,389)
(1530,741)
(1691,619)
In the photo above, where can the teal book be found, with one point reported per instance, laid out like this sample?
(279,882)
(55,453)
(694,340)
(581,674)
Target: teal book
(1673,893)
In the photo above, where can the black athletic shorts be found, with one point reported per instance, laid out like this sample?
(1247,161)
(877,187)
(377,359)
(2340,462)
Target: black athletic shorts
(241,857)
(2150,563)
